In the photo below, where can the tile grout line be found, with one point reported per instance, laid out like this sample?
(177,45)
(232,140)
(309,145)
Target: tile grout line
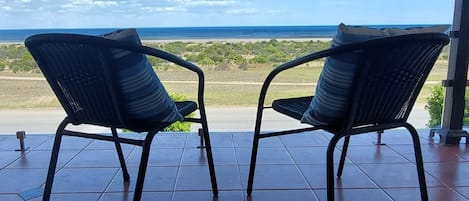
(178,171)
(284,146)
(238,168)
(119,169)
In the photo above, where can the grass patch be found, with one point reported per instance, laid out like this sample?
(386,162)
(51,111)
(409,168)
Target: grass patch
(222,88)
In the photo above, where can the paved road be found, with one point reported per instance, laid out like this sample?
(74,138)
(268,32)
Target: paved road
(220,119)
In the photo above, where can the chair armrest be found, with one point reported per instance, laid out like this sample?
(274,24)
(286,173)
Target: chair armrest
(296,62)
(291,64)
(172,58)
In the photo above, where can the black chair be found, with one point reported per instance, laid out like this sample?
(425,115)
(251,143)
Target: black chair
(82,73)
(390,73)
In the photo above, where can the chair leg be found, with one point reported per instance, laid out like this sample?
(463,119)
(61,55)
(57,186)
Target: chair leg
(143,165)
(252,166)
(342,156)
(255,146)
(53,161)
(208,149)
(125,172)
(419,162)
(330,167)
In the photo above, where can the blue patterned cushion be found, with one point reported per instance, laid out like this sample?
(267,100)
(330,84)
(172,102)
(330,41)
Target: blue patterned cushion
(145,97)
(328,107)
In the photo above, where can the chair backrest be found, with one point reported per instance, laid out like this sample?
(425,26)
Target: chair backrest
(391,74)
(80,71)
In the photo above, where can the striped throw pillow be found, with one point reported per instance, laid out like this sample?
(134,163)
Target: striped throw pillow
(332,96)
(145,97)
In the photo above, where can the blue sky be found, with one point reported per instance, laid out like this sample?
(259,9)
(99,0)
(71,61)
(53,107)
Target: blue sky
(19,14)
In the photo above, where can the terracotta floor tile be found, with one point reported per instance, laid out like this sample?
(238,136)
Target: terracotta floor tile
(73,180)
(430,152)
(11,143)
(374,154)
(245,140)
(72,197)
(9,157)
(284,195)
(172,140)
(157,157)
(305,139)
(216,140)
(128,196)
(97,158)
(312,155)
(355,195)
(68,142)
(156,179)
(464,191)
(268,177)
(362,139)
(93,173)
(101,144)
(352,177)
(450,173)
(10,197)
(40,159)
(267,155)
(462,151)
(434,194)
(396,136)
(221,156)
(207,196)
(19,180)
(197,178)
(396,175)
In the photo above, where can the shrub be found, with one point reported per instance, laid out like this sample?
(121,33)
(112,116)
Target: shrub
(435,106)
(179,126)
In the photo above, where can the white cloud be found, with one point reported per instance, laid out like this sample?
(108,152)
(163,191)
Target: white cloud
(105,3)
(6,8)
(81,3)
(194,3)
(241,11)
(211,3)
(124,13)
(163,9)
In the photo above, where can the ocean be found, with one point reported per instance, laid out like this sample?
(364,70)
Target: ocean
(187,33)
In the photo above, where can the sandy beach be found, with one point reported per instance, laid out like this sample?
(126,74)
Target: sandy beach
(236,40)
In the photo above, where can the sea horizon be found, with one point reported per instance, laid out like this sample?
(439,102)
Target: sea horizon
(202,33)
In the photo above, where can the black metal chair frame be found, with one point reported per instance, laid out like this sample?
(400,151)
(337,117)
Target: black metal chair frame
(105,109)
(379,100)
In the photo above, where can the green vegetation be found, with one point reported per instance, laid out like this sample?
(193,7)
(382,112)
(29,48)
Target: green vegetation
(176,126)
(179,126)
(16,58)
(210,56)
(435,106)
(225,56)
(234,72)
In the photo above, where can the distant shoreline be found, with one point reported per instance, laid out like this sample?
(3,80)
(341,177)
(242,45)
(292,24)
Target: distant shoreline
(204,34)
(234,40)
(205,40)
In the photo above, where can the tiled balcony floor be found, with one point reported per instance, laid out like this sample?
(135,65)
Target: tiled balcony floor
(289,168)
